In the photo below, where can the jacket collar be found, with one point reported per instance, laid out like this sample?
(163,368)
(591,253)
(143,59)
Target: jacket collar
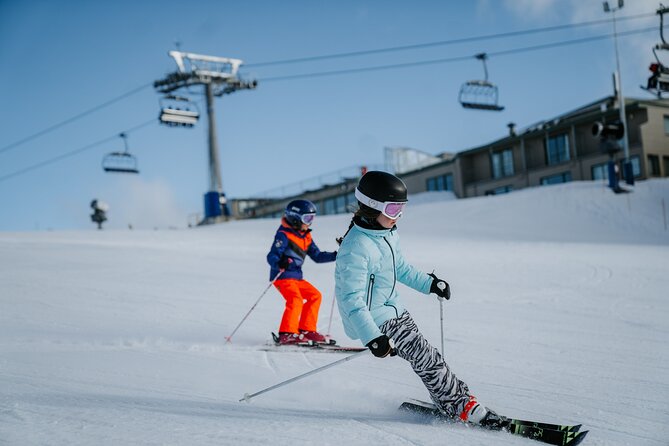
(288,227)
(371,228)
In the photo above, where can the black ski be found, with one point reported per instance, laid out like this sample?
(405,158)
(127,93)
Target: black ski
(554,434)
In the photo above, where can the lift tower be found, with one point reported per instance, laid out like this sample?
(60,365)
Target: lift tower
(219,76)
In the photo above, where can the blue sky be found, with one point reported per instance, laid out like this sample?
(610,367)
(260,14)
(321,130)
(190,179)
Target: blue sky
(61,58)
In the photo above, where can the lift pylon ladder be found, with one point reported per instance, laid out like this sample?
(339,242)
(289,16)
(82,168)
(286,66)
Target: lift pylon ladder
(120,162)
(480,94)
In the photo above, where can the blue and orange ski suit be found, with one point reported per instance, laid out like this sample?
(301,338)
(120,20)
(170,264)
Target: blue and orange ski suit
(303,300)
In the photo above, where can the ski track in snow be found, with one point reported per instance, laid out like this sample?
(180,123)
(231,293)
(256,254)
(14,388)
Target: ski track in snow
(559,313)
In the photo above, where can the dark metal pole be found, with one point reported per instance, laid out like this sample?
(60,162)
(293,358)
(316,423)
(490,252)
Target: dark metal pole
(215,182)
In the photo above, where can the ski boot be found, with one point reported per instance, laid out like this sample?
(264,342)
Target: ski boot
(476,413)
(316,337)
(292,339)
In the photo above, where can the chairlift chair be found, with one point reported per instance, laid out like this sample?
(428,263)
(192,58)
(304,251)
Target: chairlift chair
(480,94)
(178,111)
(658,82)
(120,162)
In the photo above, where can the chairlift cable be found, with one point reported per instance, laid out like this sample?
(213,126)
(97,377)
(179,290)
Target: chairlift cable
(74,152)
(298,76)
(338,55)
(73,118)
(446,42)
(453,59)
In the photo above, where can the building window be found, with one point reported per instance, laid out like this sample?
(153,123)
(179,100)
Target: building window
(502,163)
(654,164)
(665,160)
(330,206)
(600,171)
(351,202)
(340,204)
(557,149)
(442,182)
(556,179)
(636,165)
(500,190)
(666,125)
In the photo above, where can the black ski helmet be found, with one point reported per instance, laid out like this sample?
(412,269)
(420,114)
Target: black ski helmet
(296,211)
(381,187)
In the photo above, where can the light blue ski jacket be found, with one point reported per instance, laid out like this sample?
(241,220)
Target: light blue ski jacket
(369,265)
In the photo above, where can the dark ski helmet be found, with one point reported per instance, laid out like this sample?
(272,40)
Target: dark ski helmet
(300,211)
(382,191)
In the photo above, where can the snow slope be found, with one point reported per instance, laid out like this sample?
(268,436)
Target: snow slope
(560,312)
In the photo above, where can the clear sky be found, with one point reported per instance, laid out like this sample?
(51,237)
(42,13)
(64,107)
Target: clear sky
(63,58)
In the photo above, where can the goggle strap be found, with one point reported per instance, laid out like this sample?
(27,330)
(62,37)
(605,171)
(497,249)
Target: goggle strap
(377,205)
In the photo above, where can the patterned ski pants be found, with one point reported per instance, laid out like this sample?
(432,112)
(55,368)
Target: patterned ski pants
(446,390)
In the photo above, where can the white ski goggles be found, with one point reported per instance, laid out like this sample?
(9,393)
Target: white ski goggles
(391,209)
(307,219)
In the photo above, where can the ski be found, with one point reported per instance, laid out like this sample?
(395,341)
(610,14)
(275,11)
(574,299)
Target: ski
(554,434)
(338,348)
(332,347)
(432,409)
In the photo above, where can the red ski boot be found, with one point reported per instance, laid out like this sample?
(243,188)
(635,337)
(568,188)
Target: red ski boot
(316,337)
(292,339)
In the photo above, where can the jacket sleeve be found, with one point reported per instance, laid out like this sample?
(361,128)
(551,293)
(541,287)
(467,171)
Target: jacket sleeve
(279,245)
(352,282)
(411,276)
(319,256)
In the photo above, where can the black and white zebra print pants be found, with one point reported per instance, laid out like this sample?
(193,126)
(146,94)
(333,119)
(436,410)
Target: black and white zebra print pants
(446,390)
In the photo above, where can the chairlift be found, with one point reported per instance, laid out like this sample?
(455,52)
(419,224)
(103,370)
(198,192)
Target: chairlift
(120,162)
(658,82)
(480,94)
(178,111)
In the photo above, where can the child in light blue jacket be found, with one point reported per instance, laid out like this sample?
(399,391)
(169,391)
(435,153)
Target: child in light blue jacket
(369,264)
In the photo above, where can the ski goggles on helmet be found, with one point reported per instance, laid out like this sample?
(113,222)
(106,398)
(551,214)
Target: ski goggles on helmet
(307,219)
(391,209)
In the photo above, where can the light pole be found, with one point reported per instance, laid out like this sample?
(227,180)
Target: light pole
(627,166)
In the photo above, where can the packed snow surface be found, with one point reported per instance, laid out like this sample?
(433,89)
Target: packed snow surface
(560,312)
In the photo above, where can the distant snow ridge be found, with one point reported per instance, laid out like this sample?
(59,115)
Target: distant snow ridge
(571,212)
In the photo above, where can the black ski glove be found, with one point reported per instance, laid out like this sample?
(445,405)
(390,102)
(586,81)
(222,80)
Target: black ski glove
(284,262)
(440,287)
(382,346)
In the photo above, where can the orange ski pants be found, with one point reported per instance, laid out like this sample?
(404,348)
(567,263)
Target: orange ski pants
(303,301)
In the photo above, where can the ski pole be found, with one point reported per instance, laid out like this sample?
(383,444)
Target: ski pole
(229,338)
(248,397)
(441,311)
(331,312)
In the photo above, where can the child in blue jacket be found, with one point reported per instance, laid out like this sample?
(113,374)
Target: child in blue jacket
(369,265)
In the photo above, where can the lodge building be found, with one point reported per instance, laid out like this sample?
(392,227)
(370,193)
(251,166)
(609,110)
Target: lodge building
(553,151)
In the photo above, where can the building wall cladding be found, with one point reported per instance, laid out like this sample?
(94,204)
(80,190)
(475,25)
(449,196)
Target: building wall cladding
(557,150)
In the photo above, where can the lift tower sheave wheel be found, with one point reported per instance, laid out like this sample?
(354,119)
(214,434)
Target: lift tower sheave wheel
(480,94)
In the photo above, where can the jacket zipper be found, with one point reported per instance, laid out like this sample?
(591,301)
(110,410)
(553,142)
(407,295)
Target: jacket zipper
(394,270)
(392,253)
(370,288)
